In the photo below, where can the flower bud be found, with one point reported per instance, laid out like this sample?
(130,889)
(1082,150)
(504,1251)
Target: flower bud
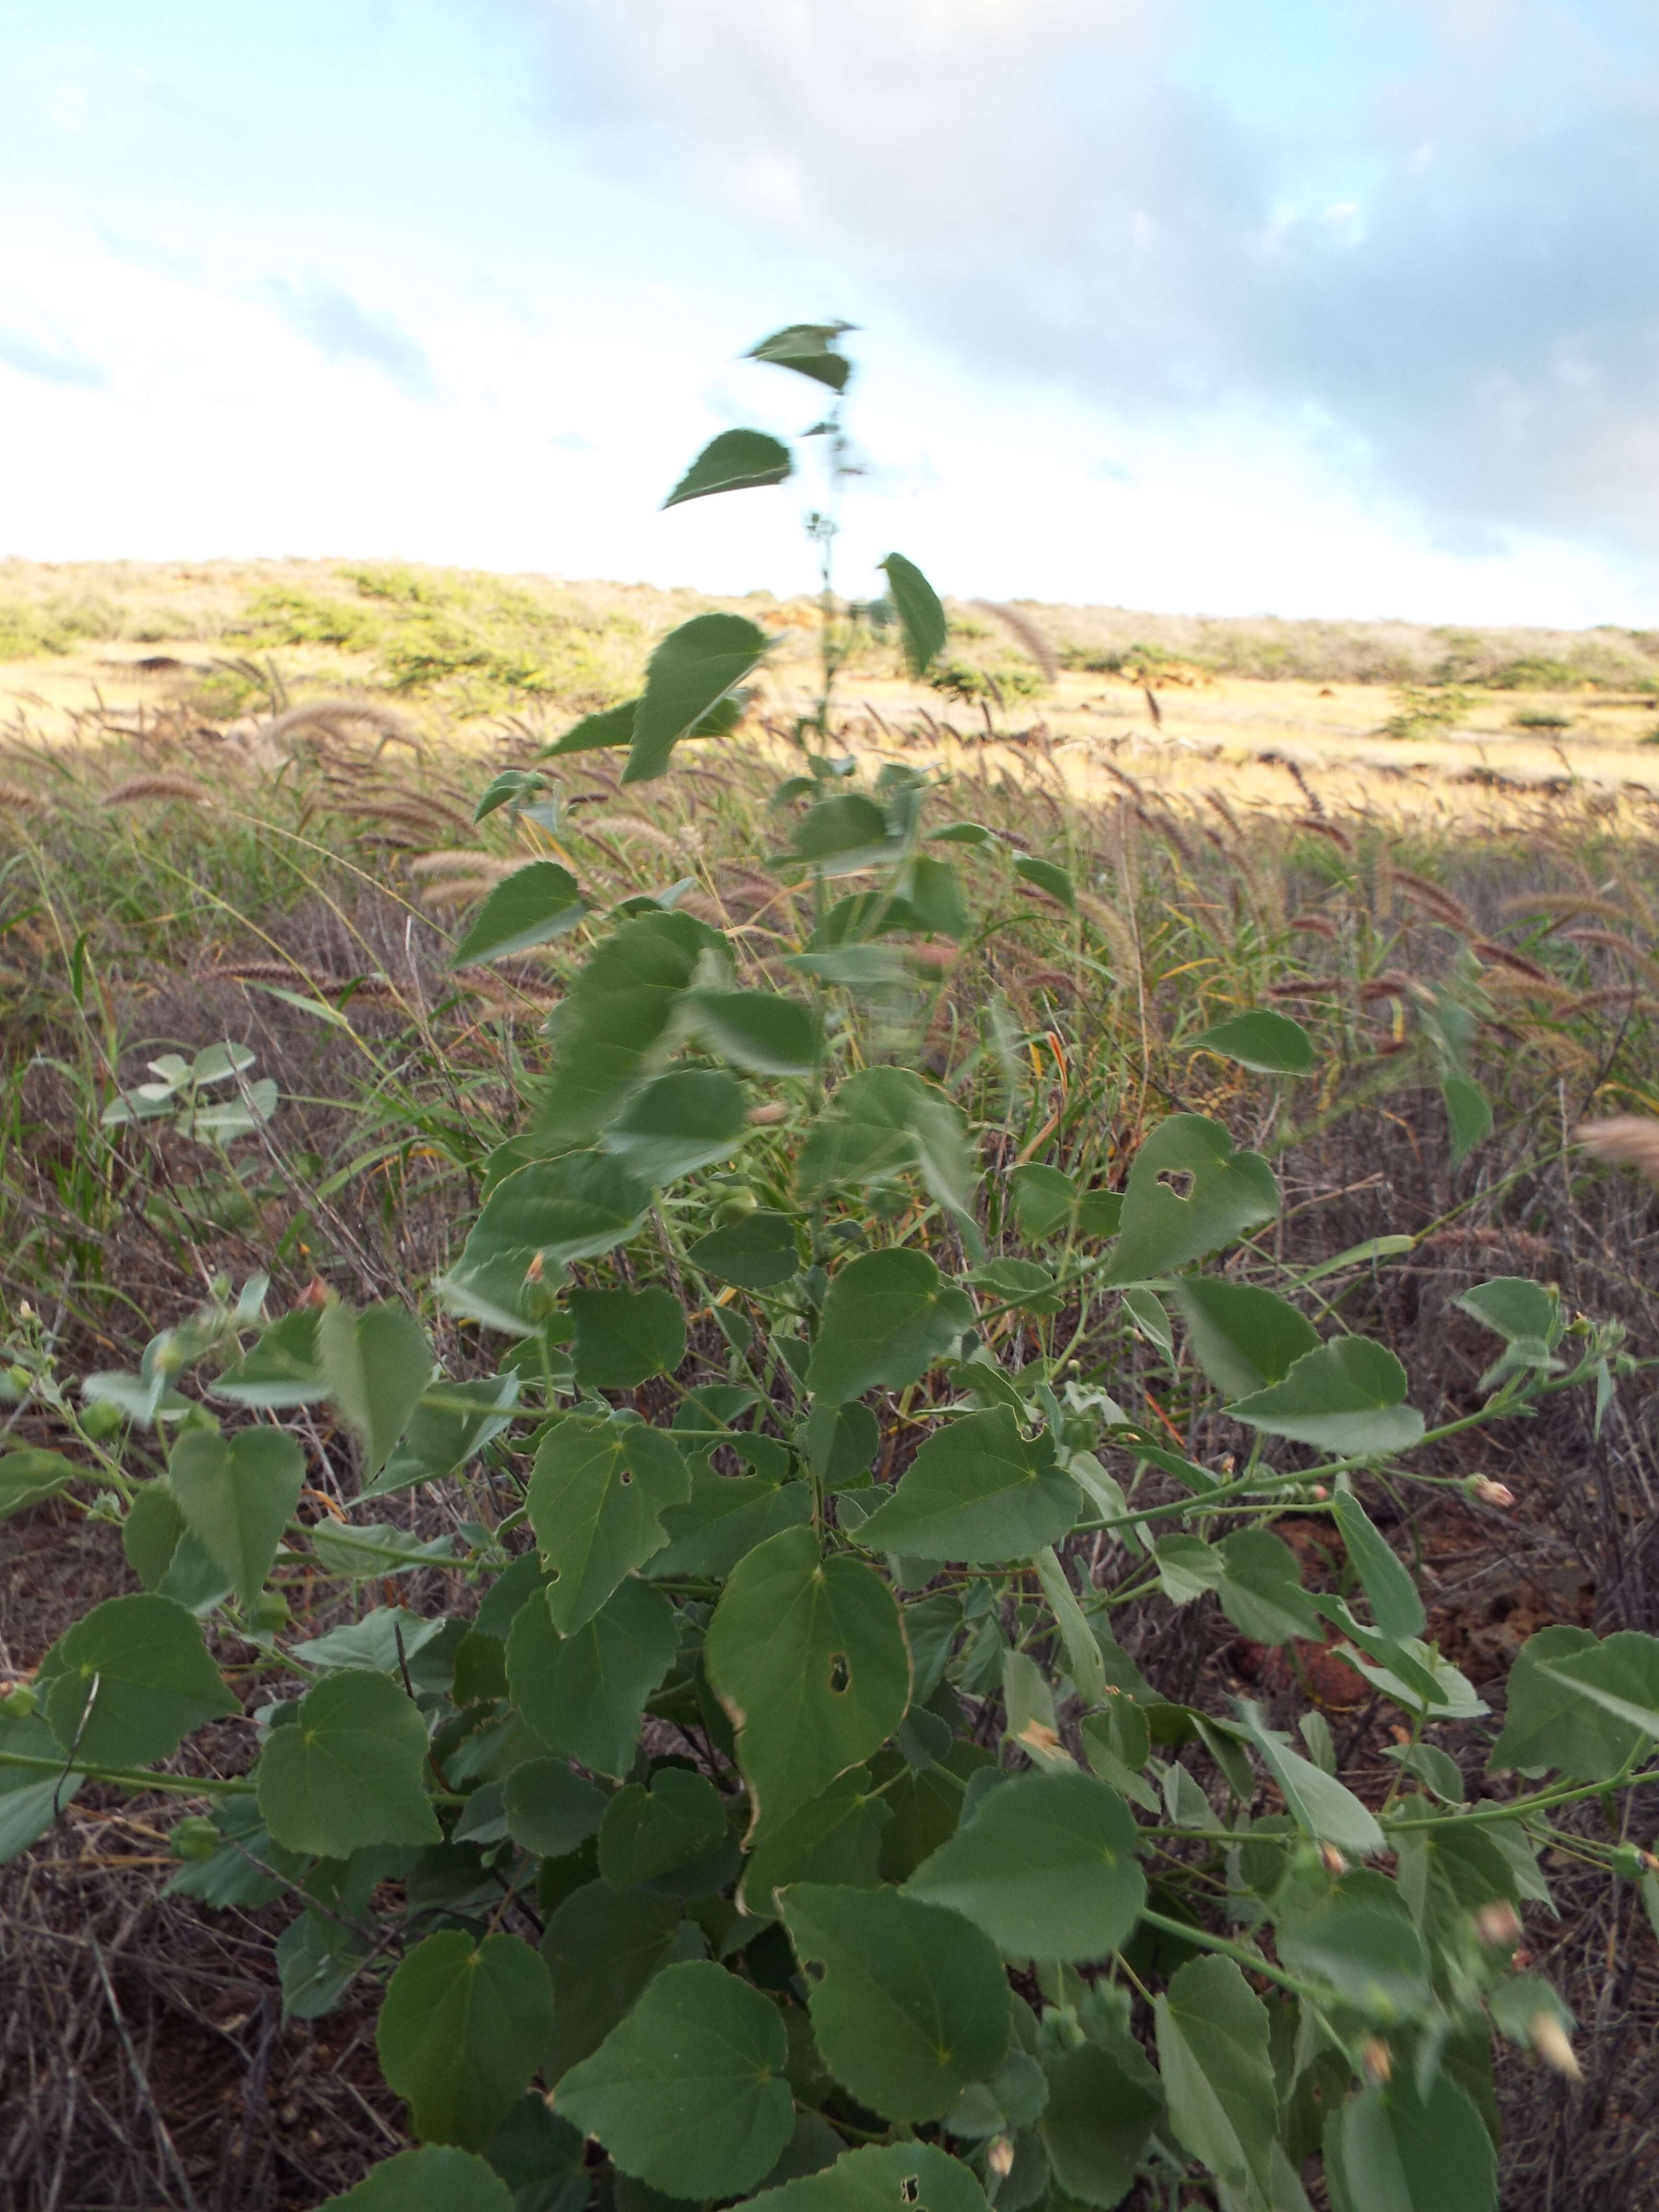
(18,1702)
(1335,1865)
(1000,2157)
(764,1117)
(1376,2058)
(1489,1493)
(1497,1924)
(1549,2039)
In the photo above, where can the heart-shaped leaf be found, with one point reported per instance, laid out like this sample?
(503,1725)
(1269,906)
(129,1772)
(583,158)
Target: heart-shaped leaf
(887,1317)
(346,1771)
(237,1497)
(1162,1227)
(462,2028)
(1347,1397)
(596,1501)
(692,669)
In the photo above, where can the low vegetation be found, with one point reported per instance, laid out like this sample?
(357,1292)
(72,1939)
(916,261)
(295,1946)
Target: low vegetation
(743,1454)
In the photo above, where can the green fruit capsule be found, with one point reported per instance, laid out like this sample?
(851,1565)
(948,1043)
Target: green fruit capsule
(18,1703)
(270,1611)
(194,1839)
(101,1420)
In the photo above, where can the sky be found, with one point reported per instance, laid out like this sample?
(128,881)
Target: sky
(1337,308)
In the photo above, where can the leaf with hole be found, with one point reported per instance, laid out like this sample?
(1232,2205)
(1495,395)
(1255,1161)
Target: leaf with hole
(596,1500)
(462,2028)
(909,2002)
(1161,1228)
(1243,1338)
(921,618)
(1348,1397)
(347,1770)
(377,1364)
(902,2177)
(1266,1043)
(694,668)
(237,1496)
(888,1316)
(736,461)
(808,1657)
(155,1682)
(688,2092)
(1046,1866)
(685,1119)
(533,905)
(584,1693)
(976,1491)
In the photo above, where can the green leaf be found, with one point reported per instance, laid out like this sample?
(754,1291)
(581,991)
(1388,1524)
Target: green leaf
(921,617)
(976,1491)
(688,2092)
(549,1810)
(880,1123)
(283,1369)
(462,2028)
(1392,2149)
(538,1218)
(1229,1192)
(1268,1043)
(1321,1806)
(1348,1398)
(427,2181)
(757,1253)
(377,1363)
(807,1655)
(736,460)
(694,668)
(602,1946)
(1549,1721)
(612,725)
(1395,1606)
(1468,1110)
(347,1770)
(761,1031)
(1046,1866)
(237,1497)
(685,1119)
(887,1317)
(30,1798)
(810,350)
(584,1694)
(1104,2103)
(531,905)
(615,1022)
(1260,1588)
(1020,1283)
(596,1500)
(648,1833)
(1045,876)
(155,1682)
(28,1475)
(877,2178)
(622,1337)
(1243,1338)
(1187,1567)
(382,1641)
(727,1515)
(1514,1308)
(909,2002)
(1359,1938)
(935,897)
(1212,2049)
(842,1443)
(452,1422)
(837,1838)
(1043,1199)
(841,834)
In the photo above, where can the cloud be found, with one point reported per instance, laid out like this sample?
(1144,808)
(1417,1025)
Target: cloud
(49,359)
(343,329)
(1442,268)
